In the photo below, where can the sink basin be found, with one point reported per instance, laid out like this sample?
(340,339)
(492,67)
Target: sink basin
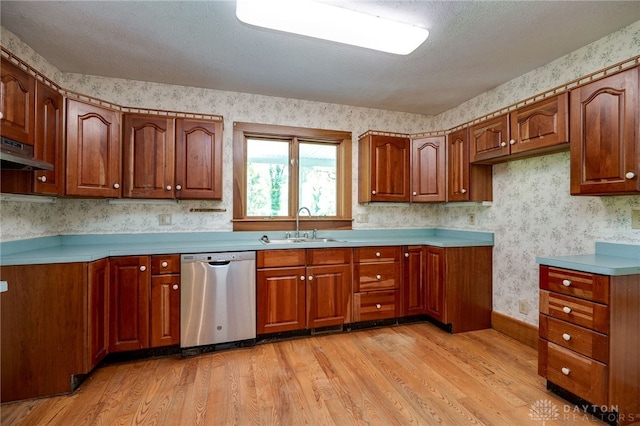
(267,240)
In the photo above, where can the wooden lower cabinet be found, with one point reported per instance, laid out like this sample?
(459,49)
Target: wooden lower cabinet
(588,338)
(98,287)
(165,300)
(414,297)
(328,287)
(281,299)
(459,286)
(377,280)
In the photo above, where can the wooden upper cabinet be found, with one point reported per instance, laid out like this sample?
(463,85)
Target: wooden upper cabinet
(198,159)
(465,181)
(93,151)
(489,139)
(148,167)
(18,99)
(384,168)
(428,174)
(542,126)
(605,136)
(49,123)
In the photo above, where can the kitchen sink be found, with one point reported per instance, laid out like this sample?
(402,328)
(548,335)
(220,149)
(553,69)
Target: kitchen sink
(293,240)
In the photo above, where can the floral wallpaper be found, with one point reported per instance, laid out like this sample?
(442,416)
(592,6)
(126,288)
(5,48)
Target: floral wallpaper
(532,213)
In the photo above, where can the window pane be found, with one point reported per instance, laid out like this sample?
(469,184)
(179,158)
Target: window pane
(318,180)
(267,177)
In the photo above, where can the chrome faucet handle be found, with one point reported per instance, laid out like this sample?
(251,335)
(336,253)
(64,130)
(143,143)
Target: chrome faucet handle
(315,234)
(287,234)
(306,234)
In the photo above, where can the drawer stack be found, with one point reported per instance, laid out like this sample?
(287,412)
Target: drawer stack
(574,328)
(376,282)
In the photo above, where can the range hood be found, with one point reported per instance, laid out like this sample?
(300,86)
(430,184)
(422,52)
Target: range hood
(19,156)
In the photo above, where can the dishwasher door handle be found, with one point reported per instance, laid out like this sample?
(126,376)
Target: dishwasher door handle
(219,262)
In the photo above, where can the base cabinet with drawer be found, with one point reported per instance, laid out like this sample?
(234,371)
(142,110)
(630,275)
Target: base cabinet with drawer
(376,283)
(588,343)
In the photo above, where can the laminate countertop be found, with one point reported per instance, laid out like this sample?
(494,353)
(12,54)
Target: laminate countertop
(87,248)
(608,259)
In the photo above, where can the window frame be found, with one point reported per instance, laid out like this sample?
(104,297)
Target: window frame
(342,140)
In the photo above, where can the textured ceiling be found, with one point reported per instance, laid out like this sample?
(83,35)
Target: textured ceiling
(473,46)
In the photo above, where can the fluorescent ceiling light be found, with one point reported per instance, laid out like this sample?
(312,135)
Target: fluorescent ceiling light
(332,23)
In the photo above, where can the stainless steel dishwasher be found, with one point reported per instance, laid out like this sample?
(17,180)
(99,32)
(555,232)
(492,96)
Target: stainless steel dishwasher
(218,298)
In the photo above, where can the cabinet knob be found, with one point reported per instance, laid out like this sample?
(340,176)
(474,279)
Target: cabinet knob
(373,192)
(377,254)
(415,193)
(178,187)
(42,179)
(168,187)
(566,310)
(175,286)
(378,306)
(630,175)
(566,283)
(566,336)
(164,264)
(512,141)
(143,268)
(406,255)
(464,191)
(566,371)
(301,277)
(310,277)
(378,276)
(503,144)
(116,185)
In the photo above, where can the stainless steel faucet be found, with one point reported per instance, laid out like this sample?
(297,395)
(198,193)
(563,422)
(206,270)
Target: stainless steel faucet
(298,220)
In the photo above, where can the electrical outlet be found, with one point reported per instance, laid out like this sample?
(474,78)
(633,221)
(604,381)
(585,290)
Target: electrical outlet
(472,219)
(164,219)
(635,219)
(523,307)
(362,218)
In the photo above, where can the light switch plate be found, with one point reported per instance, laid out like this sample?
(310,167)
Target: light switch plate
(635,219)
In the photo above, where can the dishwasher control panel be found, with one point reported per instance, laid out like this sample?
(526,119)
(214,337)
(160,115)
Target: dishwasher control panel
(218,257)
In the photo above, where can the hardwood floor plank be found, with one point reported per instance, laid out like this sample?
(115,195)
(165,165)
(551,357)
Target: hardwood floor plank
(413,374)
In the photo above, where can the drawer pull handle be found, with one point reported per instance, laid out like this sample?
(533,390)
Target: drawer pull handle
(566,283)
(164,264)
(378,276)
(566,371)
(378,306)
(377,254)
(566,336)
(566,310)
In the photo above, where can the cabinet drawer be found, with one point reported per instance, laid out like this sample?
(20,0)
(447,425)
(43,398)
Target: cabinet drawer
(328,256)
(280,258)
(574,283)
(376,254)
(375,305)
(577,311)
(376,276)
(576,373)
(587,342)
(165,264)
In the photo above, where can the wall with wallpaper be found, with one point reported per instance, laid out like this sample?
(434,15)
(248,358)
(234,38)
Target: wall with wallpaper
(532,213)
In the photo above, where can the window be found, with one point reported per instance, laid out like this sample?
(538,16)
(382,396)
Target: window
(278,169)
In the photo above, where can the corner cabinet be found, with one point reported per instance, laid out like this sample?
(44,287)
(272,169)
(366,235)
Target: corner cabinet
(465,181)
(93,151)
(605,136)
(384,168)
(588,342)
(49,146)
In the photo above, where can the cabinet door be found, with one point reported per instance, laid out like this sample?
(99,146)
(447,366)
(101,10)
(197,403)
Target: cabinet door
(18,98)
(48,140)
(198,159)
(489,139)
(93,150)
(428,169)
(465,181)
(435,281)
(281,299)
(165,310)
(328,294)
(148,167)
(543,125)
(128,303)
(98,312)
(605,153)
(384,168)
(414,297)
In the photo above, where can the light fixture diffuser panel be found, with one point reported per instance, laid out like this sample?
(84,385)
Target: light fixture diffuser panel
(324,21)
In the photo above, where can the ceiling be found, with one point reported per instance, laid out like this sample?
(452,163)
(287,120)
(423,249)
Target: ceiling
(473,46)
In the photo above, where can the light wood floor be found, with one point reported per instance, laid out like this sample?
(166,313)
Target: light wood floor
(404,375)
